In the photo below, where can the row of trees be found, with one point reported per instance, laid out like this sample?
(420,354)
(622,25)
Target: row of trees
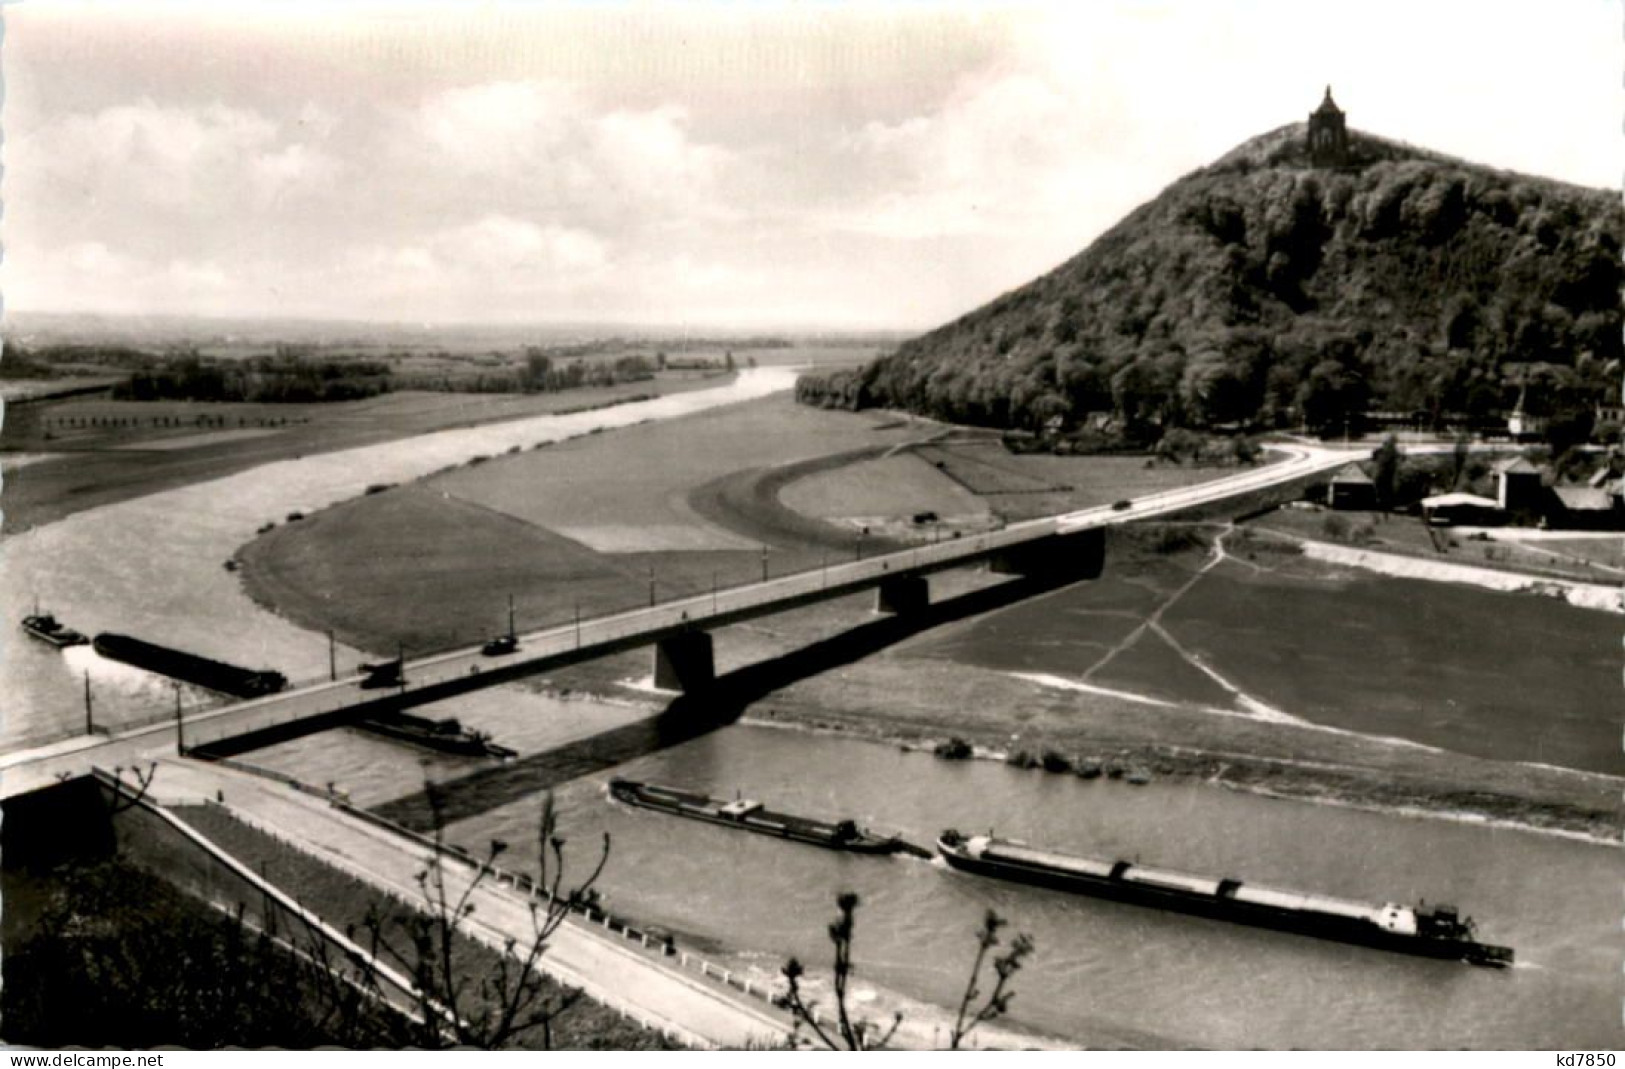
(261,379)
(1241,378)
(539,374)
(301,374)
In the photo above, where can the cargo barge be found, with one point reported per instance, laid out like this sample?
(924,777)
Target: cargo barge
(748,815)
(189,667)
(50,630)
(1434,932)
(447,736)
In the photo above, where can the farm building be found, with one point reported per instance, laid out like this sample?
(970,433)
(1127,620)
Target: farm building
(1518,486)
(1351,488)
(1461,509)
(1583,507)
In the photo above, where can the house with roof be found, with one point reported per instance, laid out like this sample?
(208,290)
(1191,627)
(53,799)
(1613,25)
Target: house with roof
(1585,508)
(1461,510)
(1351,488)
(1519,486)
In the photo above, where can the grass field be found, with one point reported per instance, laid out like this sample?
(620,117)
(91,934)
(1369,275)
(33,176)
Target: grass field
(602,491)
(1504,676)
(897,485)
(1351,651)
(688,503)
(1019,486)
(1332,651)
(586,522)
(429,571)
(144,447)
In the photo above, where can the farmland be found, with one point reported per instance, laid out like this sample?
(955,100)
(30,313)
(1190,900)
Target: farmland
(1267,669)
(588,521)
(1334,649)
(605,521)
(627,494)
(94,451)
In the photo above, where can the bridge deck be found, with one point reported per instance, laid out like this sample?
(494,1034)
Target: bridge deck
(443,675)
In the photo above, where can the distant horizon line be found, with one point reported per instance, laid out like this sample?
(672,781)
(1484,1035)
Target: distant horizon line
(222,320)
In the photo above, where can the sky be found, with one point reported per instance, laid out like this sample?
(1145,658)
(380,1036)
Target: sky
(860,165)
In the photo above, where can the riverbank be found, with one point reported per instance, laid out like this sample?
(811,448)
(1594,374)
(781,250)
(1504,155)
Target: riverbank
(350,905)
(152,566)
(1192,982)
(139,451)
(1300,781)
(925,688)
(103,953)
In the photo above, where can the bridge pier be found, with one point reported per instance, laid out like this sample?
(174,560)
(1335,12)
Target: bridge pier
(1080,555)
(903,594)
(685,662)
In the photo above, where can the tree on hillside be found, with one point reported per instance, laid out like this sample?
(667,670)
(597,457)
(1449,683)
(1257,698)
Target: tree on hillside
(1385,471)
(538,370)
(1332,398)
(1459,456)
(1441,273)
(119,957)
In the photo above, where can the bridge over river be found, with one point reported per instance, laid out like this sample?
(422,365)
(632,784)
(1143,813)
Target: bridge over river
(678,631)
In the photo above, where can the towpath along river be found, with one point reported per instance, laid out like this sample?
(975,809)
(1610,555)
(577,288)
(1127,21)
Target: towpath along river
(637,982)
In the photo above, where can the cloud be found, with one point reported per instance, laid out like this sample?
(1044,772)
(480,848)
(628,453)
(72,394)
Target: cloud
(499,244)
(124,282)
(499,128)
(495,266)
(547,150)
(846,165)
(192,161)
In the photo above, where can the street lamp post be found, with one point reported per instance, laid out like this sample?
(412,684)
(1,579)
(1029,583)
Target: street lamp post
(180,724)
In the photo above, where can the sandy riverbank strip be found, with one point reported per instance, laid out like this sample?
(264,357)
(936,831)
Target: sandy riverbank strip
(1598,596)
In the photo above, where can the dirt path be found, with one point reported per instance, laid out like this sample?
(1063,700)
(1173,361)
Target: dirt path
(1152,624)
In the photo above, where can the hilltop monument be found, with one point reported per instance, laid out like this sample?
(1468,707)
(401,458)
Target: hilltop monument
(1328,136)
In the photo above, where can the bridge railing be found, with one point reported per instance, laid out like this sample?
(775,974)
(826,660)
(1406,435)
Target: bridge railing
(322,697)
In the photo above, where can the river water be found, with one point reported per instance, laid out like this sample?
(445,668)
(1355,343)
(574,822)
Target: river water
(1104,973)
(154,566)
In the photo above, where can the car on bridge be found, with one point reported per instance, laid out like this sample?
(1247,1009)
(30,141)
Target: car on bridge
(387,674)
(500,646)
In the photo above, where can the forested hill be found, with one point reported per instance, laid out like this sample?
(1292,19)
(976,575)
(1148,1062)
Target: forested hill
(1263,291)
